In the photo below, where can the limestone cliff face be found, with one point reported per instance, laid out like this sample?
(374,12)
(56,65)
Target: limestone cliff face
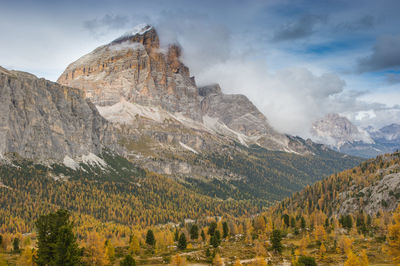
(43,120)
(134,67)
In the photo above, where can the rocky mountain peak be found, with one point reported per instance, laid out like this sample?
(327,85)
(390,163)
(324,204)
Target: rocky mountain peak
(336,130)
(134,70)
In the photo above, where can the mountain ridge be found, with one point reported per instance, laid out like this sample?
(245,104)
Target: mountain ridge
(339,133)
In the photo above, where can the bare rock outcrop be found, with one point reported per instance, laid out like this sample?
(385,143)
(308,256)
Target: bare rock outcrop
(43,120)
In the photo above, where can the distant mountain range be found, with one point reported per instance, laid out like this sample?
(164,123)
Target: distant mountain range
(340,134)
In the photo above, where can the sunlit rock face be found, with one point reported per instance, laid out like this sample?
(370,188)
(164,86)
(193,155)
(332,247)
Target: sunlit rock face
(134,67)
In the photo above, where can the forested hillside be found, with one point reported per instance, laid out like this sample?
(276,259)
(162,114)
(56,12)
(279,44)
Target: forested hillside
(371,187)
(121,192)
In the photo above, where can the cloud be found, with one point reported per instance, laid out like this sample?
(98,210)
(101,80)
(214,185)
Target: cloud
(385,55)
(378,118)
(364,23)
(303,27)
(99,26)
(291,98)
(393,78)
(205,42)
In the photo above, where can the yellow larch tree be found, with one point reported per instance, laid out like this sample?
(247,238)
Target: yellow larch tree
(364,258)
(237,263)
(259,261)
(217,261)
(134,245)
(320,233)
(178,261)
(303,246)
(26,258)
(94,248)
(352,259)
(110,252)
(322,250)
(393,247)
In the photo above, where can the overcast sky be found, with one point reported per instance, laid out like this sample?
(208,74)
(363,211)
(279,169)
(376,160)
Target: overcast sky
(296,60)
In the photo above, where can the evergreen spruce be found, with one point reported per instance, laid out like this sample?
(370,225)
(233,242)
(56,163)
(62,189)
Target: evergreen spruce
(56,242)
(215,239)
(182,243)
(302,222)
(128,261)
(203,235)
(211,228)
(16,245)
(150,239)
(225,230)
(306,261)
(276,239)
(194,232)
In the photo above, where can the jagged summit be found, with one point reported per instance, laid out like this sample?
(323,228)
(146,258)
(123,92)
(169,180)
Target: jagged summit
(143,34)
(139,29)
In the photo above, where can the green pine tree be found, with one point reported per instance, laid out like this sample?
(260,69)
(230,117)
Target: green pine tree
(276,239)
(215,239)
(203,235)
(128,261)
(194,232)
(150,239)
(182,243)
(56,242)
(16,245)
(211,228)
(302,222)
(225,230)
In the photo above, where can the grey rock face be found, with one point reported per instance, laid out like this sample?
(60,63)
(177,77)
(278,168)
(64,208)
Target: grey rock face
(43,120)
(383,195)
